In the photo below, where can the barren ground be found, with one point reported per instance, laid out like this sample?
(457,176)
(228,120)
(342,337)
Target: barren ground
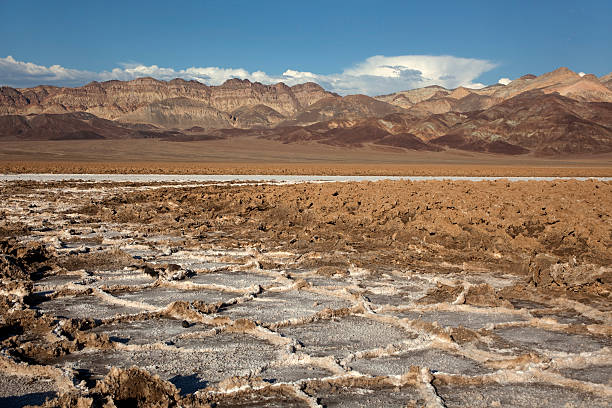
(260,156)
(438,293)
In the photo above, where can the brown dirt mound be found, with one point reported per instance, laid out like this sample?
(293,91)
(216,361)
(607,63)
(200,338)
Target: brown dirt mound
(548,272)
(132,387)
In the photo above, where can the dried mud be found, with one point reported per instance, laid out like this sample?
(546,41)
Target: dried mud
(432,293)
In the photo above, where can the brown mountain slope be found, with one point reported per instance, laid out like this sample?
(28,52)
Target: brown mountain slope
(530,122)
(407,99)
(348,108)
(533,122)
(12,101)
(58,127)
(563,81)
(606,80)
(352,133)
(255,116)
(474,102)
(468,102)
(429,127)
(73,126)
(536,122)
(179,113)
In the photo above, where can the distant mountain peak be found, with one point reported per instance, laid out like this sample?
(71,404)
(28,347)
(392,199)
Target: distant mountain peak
(548,114)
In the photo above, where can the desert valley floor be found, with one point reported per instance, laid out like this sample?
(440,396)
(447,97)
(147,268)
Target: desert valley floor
(335,206)
(389,293)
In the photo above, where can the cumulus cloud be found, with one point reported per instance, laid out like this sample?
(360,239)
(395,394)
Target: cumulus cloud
(581,74)
(504,81)
(376,75)
(20,73)
(414,71)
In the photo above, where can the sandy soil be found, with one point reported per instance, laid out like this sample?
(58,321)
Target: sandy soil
(342,294)
(259,156)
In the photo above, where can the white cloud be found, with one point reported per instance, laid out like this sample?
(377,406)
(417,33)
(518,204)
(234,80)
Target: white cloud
(504,81)
(413,71)
(379,74)
(18,72)
(376,75)
(581,74)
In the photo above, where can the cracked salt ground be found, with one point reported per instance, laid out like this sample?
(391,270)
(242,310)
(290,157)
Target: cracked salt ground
(470,320)
(139,332)
(565,316)
(340,337)
(208,359)
(363,397)
(388,295)
(436,360)
(518,395)
(271,307)
(293,373)
(162,296)
(85,307)
(269,327)
(233,279)
(599,374)
(119,278)
(528,304)
(531,338)
(94,279)
(19,391)
(263,400)
(140,251)
(195,264)
(325,283)
(163,238)
(53,282)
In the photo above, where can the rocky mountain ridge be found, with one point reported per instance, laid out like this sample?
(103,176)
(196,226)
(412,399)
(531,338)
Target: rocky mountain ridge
(557,113)
(562,81)
(167,104)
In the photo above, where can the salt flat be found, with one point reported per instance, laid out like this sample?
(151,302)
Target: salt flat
(447,292)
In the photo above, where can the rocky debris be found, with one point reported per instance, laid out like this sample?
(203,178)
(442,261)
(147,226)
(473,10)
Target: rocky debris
(484,295)
(91,260)
(442,293)
(130,387)
(332,271)
(150,271)
(18,261)
(138,387)
(171,272)
(174,272)
(548,272)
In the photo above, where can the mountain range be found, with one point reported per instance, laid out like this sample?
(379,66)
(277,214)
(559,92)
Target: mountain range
(557,113)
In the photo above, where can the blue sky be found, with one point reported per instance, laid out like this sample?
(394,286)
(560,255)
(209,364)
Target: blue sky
(331,42)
